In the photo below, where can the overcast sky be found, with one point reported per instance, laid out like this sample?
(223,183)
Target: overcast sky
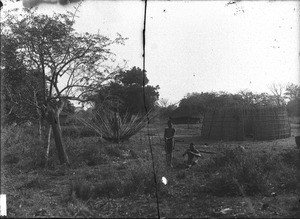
(201,46)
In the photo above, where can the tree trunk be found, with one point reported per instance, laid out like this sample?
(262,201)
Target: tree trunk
(40,129)
(40,115)
(48,146)
(53,118)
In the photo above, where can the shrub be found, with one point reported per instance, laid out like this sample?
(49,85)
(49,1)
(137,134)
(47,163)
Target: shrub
(77,131)
(237,172)
(22,148)
(85,152)
(107,189)
(81,189)
(70,131)
(33,182)
(140,180)
(114,127)
(114,151)
(87,132)
(290,157)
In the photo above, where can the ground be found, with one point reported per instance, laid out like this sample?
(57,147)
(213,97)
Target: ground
(116,180)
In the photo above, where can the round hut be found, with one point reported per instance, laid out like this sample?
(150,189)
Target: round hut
(185,115)
(237,124)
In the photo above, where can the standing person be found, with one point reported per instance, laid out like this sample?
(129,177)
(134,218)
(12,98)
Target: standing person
(169,143)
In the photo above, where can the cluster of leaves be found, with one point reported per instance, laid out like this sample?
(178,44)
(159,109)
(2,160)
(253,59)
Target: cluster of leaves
(22,88)
(128,92)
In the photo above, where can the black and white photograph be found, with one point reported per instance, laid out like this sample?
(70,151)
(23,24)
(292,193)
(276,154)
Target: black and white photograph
(150,109)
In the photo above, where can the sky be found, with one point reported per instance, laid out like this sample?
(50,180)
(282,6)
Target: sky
(200,46)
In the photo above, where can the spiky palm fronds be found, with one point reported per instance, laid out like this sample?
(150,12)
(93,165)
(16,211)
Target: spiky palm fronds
(115,128)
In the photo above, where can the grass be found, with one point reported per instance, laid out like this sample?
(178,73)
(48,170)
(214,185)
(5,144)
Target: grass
(116,180)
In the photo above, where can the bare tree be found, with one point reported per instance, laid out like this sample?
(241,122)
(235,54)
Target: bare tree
(277,91)
(71,64)
(163,102)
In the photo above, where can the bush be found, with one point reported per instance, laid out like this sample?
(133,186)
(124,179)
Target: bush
(70,131)
(115,127)
(136,179)
(21,147)
(87,132)
(85,151)
(114,151)
(33,182)
(236,173)
(77,131)
(107,189)
(92,157)
(81,189)
(290,157)
(140,183)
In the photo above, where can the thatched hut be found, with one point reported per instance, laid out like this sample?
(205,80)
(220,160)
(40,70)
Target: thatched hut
(184,115)
(261,123)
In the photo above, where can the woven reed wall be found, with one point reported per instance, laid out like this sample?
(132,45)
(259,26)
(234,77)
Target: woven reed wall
(271,123)
(235,123)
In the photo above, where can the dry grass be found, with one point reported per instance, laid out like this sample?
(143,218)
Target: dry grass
(116,180)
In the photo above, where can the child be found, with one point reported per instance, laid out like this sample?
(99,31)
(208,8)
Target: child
(192,153)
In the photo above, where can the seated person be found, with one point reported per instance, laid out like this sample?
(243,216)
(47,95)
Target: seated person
(192,153)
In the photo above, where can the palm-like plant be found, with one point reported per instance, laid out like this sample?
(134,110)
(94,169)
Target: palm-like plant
(114,127)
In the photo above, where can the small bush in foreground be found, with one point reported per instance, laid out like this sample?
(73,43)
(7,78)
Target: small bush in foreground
(114,151)
(21,147)
(237,172)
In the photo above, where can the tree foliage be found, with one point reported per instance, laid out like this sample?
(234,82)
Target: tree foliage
(292,91)
(201,102)
(22,88)
(293,107)
(126,93)
(50,46)
(165,108)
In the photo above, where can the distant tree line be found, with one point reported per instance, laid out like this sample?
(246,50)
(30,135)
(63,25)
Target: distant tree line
(197,103)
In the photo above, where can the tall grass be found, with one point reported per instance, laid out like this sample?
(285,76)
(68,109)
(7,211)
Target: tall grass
(235,172)
(135,178)
(21,147)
